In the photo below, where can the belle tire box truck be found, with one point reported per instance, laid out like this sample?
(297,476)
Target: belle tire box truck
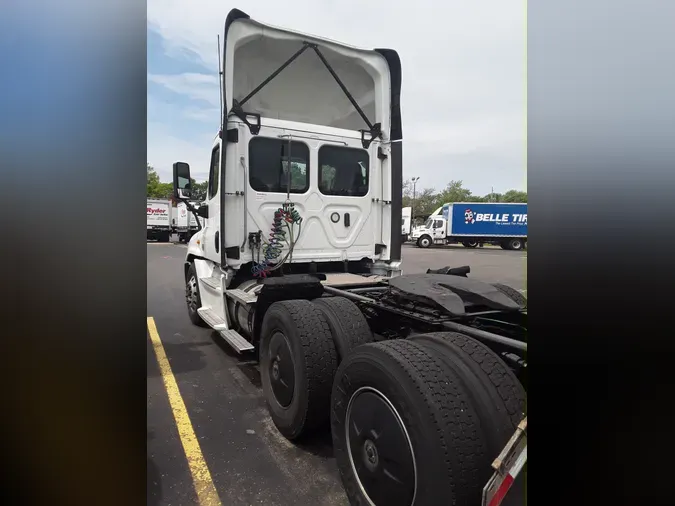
(159,220)
(475,223)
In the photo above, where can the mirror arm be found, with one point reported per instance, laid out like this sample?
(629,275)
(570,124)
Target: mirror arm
(193,210)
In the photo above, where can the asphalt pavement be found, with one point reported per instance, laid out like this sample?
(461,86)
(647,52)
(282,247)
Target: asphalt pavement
(248,460)
(208,427)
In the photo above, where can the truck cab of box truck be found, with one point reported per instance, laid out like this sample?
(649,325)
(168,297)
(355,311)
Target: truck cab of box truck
(310,125)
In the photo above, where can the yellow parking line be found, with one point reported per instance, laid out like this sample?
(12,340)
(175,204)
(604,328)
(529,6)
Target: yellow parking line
(201,477)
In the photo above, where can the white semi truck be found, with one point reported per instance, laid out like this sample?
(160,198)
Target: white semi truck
(159,220)
(420,377)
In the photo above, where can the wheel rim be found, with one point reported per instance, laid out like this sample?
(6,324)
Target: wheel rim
(515,244)
(424,241)
(380,451)
(191,295)
(280,369)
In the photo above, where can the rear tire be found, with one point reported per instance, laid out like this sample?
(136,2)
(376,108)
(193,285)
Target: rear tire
(512,294)
(515,244)
(193,297)
(470,244)
(297,364)
(347,324)
(398,410)
(496,394)
(424,241)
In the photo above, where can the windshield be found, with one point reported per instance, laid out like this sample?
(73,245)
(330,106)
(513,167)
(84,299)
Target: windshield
(429,223)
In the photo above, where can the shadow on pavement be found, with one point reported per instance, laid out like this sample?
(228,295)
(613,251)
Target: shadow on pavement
(185,357)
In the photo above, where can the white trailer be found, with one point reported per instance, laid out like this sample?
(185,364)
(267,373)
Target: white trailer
(299,262)
(159,224)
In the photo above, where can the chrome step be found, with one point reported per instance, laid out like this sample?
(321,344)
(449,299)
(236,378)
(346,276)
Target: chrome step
(241,296)
(213,282)
(235,340)
(212,319)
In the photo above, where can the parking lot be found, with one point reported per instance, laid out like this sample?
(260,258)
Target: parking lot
(210,440)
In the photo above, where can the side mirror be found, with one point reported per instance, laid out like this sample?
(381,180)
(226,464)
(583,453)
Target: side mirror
(181,180)
(203,211)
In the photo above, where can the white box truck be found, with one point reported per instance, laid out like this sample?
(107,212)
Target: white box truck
(159,223)
(185,223)
(406,221)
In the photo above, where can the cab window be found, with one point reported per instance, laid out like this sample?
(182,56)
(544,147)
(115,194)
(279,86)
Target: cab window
(343,171)
(269,164)
(438,223)
(214,172)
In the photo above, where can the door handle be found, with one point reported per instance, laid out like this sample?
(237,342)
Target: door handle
(217,237)
(346,219)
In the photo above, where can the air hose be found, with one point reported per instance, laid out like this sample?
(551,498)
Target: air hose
(284,218)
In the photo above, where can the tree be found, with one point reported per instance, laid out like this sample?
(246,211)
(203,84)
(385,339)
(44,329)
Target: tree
(198,190)
(428,200)
(157,189)
(455,192)
(514,196)
(153,181)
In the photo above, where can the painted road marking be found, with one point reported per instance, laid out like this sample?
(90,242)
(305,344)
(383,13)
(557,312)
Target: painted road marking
(201,477)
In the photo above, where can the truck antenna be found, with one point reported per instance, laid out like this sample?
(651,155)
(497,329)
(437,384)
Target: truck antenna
(220,83)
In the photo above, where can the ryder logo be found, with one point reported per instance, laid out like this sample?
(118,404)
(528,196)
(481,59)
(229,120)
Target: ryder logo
(156,210)
(469,217)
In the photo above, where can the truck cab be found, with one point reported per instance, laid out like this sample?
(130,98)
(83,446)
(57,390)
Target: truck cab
(312,125)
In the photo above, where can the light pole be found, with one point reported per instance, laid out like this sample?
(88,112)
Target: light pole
(414,182)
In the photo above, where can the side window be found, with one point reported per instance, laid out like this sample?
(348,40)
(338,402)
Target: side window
(269,165)
(214,172)
(438,224)
(343,171)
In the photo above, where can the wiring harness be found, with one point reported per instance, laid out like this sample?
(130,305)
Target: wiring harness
(281,235)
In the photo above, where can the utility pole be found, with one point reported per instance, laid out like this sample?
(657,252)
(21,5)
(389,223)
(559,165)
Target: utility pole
(414,182)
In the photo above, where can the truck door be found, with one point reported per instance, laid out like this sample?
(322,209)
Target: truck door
(211,237)
(330,186)
(439,229)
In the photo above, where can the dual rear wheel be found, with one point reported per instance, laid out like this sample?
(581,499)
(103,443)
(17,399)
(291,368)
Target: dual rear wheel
(415,421)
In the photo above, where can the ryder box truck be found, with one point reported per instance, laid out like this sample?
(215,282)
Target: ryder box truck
(159,224)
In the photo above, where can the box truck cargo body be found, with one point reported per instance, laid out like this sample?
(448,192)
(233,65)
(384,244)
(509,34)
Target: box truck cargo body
(475,223)
(406,220)
(185,221)
(159,222)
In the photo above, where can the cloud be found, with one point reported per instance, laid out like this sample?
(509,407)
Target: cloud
(464,74)
(165,148)
(201,87)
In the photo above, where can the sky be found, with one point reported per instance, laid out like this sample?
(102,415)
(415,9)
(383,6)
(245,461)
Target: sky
(463,98)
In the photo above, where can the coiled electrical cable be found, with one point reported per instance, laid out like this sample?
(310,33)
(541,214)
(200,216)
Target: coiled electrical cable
(273,248)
